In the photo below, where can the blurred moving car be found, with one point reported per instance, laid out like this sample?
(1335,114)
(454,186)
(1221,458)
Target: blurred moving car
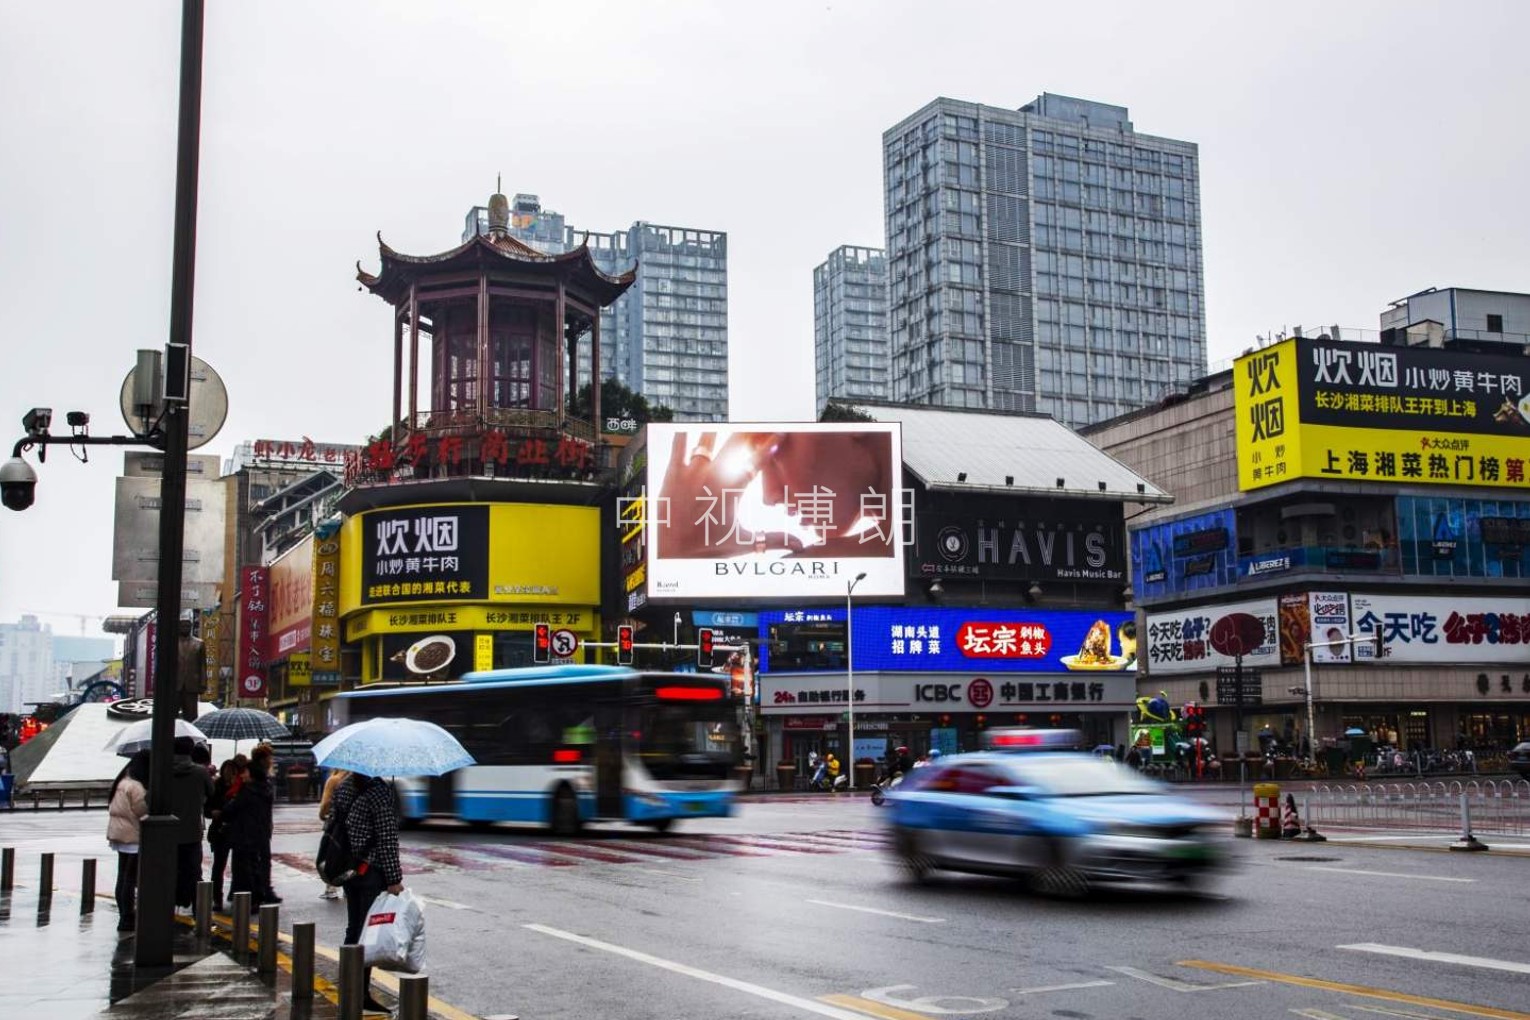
(1064,819)
(1519,759)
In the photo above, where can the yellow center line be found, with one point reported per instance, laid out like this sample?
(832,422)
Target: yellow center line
(1365,991)
(873,1008)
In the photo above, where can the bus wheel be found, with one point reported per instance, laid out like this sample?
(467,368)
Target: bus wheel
(660,824)
(565,813)
(481,825)
(410,824)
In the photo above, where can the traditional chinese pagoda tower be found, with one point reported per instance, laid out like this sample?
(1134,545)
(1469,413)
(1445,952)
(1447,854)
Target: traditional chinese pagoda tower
(503,327)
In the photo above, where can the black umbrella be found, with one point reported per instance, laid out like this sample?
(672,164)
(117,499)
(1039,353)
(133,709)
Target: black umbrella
(242,724)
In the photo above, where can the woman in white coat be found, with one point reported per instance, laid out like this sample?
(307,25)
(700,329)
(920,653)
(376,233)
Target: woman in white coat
(124,827)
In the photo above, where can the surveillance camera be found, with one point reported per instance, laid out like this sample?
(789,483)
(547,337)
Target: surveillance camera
(37,420)
(18,483)
(78,419)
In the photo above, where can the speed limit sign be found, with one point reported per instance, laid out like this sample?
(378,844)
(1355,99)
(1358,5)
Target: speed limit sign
(564,643)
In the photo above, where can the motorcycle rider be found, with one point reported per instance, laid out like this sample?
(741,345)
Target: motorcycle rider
(831,763)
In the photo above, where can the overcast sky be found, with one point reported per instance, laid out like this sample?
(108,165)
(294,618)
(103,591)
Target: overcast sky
(1351,153)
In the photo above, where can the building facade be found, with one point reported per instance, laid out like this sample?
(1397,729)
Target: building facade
(850,352)
(1336,492)
(1436,316)
(26,665)
(1042,259)
(667,336)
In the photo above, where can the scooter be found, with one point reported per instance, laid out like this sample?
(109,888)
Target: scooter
(880,789)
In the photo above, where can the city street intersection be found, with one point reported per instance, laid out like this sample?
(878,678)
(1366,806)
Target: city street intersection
(793,908)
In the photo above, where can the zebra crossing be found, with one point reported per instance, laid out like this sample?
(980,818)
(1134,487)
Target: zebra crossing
(518,852)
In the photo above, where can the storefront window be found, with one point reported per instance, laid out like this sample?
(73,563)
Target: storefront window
(1443,537)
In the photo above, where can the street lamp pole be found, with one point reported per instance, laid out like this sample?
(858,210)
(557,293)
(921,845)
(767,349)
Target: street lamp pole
(850,677)
(1370,635)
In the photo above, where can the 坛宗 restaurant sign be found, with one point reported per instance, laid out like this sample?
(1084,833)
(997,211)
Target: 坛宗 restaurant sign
(1363,412)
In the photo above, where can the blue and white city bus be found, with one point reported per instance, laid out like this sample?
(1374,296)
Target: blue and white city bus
(563,745)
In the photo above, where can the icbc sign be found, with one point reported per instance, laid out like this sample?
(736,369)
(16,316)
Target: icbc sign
(980,693)
(1004,640)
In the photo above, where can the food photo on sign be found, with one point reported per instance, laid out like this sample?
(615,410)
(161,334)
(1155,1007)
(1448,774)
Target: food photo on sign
(417,658)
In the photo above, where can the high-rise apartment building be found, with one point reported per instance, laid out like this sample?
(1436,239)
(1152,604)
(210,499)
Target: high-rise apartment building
(1041,259)
(26,664)
(850,325)
(667,336)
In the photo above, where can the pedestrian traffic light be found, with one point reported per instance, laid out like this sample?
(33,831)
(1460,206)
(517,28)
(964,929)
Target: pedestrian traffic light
(541,644)
(704,646)
(1195,720)
(624,645)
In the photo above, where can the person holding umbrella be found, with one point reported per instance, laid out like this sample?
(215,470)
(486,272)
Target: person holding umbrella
(369,808)
(129,805)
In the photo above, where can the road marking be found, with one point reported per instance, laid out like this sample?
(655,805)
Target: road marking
(1408,1013)
(1061,988)
(449,904)
(1318,1014)
(939,1004)
(1175,984)
(1387,874)
(670,874)
(884,913)
(864,1006)
(807,1005)
(1434,957)
(1364,991)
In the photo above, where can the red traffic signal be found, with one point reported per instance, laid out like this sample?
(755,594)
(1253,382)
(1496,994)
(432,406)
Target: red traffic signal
(704,646)
(541,644)
(624,645)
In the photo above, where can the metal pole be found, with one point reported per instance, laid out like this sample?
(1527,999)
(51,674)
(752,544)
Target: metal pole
(352,978)
(7,869)
(45,879)
(1312,744)
(241,935)
(88,886)
(413,997)
(302,961)
(270,924)
(156,872)
(204,909)
(850,680)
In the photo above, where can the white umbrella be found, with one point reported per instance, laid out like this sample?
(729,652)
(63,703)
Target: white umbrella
(392,747)
(137,736)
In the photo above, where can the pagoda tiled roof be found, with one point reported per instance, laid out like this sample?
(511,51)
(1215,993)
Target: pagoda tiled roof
(577,267)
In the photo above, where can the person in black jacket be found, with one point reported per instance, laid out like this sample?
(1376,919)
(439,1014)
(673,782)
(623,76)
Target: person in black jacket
(263,763)
(247,823)
(368,807)
(217,830)
(190,787)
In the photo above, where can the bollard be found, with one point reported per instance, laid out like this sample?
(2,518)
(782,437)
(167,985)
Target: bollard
(413,997)
(302,961)
(204,910)
(1467,840)
(45,879)
(241,935)
(352,982)
(270,924)
(88,886)
(7,869)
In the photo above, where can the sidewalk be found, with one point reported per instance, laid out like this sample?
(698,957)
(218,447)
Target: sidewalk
(58,964)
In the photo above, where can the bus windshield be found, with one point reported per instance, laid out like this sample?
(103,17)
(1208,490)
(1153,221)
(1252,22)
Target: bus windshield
(687,740)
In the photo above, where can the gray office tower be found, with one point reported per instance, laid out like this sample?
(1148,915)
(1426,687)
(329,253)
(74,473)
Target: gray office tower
(850,325)
(667,336)
(1041,259)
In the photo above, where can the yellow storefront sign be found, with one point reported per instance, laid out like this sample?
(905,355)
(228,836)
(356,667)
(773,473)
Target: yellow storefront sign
(299,669)
(1366,412)
(470,552)
(483,652)
(397,619)
(325,642)
(1268,430)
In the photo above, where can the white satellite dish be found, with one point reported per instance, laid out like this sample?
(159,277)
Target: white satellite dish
(142,404)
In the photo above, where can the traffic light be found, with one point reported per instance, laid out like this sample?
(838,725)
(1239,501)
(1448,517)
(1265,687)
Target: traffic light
(704,646)
(1195,720)
(541,644)
(624,645)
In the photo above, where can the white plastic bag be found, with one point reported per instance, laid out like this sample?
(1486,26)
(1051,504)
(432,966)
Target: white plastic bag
(394,935)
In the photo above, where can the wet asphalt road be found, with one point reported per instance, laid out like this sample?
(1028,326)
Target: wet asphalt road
(792,908)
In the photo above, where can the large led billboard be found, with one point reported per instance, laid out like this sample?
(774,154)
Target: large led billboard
(1363,412)
(770,510)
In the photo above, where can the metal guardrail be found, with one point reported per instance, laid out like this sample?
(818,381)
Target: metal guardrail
(1497,807)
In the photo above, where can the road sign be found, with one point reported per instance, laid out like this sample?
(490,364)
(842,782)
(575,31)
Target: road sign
(564,643)
(1232,691)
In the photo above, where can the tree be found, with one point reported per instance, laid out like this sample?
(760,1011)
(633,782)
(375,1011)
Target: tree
(617,401)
